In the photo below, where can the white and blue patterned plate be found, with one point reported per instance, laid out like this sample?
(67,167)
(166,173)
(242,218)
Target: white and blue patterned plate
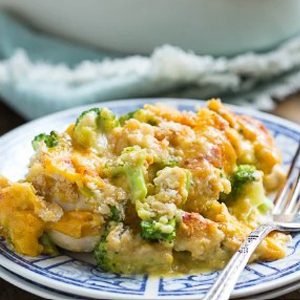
(34,288)
(47,293)
(76,275)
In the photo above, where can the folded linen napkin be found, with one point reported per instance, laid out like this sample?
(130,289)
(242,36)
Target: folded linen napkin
(40,74)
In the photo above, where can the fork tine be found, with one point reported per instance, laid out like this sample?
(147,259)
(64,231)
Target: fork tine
(297,209)
(282,193)
(292,204)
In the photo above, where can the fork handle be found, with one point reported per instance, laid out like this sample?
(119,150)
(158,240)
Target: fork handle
(226,281)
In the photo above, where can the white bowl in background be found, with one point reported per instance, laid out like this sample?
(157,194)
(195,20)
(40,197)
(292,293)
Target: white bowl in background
(218,27)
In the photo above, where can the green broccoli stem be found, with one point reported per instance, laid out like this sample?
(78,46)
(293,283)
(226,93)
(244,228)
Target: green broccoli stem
(51,140)
(85,113)
(136,181)
(241,177)
(153,230)
(132,162)
(101,255)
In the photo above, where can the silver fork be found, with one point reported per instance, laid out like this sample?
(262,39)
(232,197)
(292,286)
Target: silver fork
(286,207)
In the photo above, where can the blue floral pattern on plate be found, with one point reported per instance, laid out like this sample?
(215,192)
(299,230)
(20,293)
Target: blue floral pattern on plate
(79,277)
(79,273)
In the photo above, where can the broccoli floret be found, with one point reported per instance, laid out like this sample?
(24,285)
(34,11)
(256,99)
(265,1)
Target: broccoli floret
(51,140)
(242,176)
(106,120)
(251,202)
(122,251)
(127,116)
(85,129)
(247,198)
(159,211)
(89,112)
(132,162)
(92,124)
(103,257)
(155,230)
(107,257)
(115,214)
(140,114)
(154,224)
(100,118)
(49,247)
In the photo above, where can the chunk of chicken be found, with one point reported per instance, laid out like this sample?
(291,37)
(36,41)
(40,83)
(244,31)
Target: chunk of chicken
(199,236)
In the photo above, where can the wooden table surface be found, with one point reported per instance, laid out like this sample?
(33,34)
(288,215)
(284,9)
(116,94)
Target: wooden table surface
(289,109)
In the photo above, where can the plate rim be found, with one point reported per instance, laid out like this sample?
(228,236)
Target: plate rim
(30,287)
(41,291)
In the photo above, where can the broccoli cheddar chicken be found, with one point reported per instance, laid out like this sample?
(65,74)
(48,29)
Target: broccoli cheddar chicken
(153,191)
